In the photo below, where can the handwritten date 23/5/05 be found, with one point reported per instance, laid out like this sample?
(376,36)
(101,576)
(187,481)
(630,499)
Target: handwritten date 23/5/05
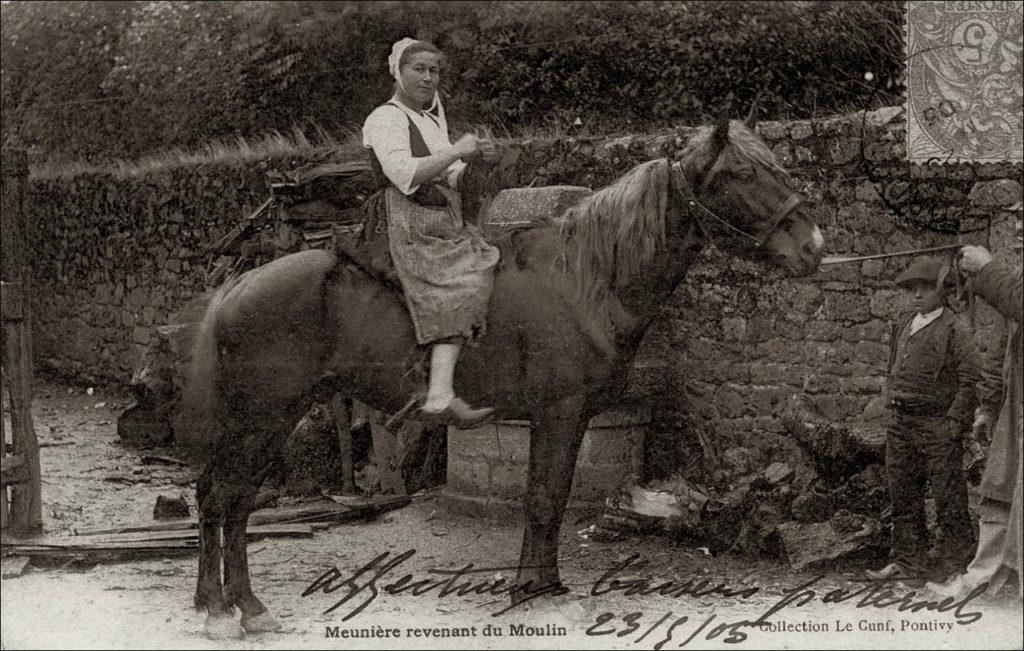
(666,627)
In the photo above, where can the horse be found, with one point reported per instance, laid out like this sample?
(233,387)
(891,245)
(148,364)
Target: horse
(573,296)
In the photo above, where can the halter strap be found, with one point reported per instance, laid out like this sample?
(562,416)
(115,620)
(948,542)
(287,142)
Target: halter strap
(690,198)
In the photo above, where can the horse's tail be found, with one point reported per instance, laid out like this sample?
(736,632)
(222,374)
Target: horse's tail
(196,422)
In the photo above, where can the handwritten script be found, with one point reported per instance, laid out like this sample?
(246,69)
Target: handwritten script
(381,576)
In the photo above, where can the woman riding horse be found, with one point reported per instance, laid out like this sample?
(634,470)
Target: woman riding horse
(445,267)
(574,295)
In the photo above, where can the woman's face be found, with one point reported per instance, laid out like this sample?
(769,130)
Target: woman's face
(421,75)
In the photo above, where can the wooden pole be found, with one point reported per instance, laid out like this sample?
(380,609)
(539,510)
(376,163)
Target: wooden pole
(26,510)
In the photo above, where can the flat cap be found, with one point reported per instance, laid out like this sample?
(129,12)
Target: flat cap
(924,270)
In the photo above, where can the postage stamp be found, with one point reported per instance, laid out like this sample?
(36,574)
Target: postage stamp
(963,81)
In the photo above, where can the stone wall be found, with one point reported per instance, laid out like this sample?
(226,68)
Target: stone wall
(114,256)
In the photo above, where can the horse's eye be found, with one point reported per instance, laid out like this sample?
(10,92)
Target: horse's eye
(746,174)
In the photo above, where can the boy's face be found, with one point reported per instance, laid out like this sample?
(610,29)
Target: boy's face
(923,296)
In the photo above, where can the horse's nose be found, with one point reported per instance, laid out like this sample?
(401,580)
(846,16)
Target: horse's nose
(812,249)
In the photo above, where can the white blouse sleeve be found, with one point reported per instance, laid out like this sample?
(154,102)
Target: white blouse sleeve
(386,132)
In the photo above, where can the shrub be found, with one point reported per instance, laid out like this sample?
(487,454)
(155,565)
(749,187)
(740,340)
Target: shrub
(121,79)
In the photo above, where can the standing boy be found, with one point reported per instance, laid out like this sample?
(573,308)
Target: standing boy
(933,369)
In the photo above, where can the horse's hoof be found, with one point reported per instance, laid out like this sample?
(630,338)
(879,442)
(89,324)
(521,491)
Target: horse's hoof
(262,623)
(222,627)
(562,607)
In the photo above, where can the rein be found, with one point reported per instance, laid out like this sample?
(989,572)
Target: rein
(690,198)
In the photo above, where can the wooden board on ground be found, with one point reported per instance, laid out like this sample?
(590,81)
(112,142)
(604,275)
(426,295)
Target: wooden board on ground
(336,511)
(251,533)
(61,550)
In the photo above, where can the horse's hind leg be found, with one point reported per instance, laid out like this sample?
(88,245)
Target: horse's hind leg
(238,590)
(220,621)
(251,461)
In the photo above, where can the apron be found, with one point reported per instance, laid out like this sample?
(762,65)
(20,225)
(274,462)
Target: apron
(445,266)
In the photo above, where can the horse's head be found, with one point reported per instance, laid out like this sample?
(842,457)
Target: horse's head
(742,199)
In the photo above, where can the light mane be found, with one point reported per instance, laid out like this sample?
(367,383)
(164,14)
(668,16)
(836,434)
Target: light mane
(611,235)
(744,143)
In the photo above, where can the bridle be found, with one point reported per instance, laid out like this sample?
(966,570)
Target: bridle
(689,198)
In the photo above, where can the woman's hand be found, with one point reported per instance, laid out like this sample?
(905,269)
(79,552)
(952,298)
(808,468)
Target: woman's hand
(488,150)
(467,146)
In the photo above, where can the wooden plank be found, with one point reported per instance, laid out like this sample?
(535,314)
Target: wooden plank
(350,509)
(166,525)
(4,506)
(11,301)
(341,408)
(386,454)
(95,553)
(252,533)
(160,459)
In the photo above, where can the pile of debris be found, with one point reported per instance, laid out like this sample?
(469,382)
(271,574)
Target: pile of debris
(825,502)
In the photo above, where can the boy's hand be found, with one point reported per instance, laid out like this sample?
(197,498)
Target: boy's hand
(982,424)
(973,258)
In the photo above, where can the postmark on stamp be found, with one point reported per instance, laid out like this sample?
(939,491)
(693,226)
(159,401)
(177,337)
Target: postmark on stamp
(964,92)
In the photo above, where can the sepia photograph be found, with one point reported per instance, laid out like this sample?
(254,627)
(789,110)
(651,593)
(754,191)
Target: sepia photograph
(511,324)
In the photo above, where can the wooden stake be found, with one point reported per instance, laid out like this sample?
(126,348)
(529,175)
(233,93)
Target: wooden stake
(26,511)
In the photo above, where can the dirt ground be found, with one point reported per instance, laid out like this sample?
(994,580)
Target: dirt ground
(89,480)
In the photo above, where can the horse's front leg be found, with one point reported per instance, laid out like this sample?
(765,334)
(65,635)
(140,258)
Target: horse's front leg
(554,443)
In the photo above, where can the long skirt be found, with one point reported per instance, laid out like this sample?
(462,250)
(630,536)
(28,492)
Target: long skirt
(445,266)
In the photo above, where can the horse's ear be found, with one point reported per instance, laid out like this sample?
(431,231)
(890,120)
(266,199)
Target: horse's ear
(720,136)
(751,120)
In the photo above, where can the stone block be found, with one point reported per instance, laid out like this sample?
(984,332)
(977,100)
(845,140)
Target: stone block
(867,191)
(847,306)
(615,446)
(872,268)
(863,384)
(874,330)
(783,153)
(844,150)
(771,130)
(804,155)
(507,480)
(996,194)
(776,374)
(819,383)
(141,335)
(730,402)
(877,408)
(593,484)
(885,303)
(836,408)
(801,130)
(527,205)
(468,477)
(734,328)
(821,330)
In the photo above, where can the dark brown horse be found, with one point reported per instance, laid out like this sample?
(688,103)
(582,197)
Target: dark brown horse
(572,299)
